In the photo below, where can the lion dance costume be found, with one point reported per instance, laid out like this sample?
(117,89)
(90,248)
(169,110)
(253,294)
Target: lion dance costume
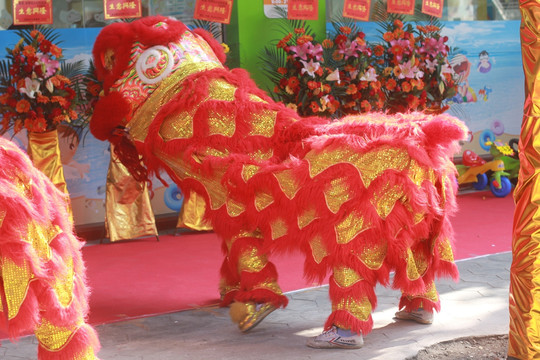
(359,197)
(43,284)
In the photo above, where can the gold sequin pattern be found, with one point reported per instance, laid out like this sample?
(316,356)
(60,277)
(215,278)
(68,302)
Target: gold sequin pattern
(219,89)
(372,256)
(337,194)
(263,123)
(359,309)
(318,249)
(263,200)
(244,234)
(260,155)
(255,98)
(235,208)
(271,285)
(251,261)
(221,123)
(248,171)
(40,237)
(385,199)
(306,217)
(16,282)
(412,271)
(213,152)
(168,88)
(346,277)
(64,283)
(54,338)
(287,183)
(87,354)
(445,250)
(177,126)
(351,227)
(279,228)
(370,165)
(418,173)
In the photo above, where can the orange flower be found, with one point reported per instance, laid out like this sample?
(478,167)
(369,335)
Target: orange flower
(29,51)
(365,105)
(312,85)
(388,36)
(378,50)
(345,29)
(304,39)
(327,43)
(23,106)
(300,30)
(398,23)
(42,99)
(375,85)
(406,86)
(4,98)
(391,84)
(294,82)
(56,51)
(337,56)
(282,70)
(397,71)
(314,107)
(351,89)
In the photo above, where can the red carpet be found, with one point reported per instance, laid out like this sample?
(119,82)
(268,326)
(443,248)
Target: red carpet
(144,277)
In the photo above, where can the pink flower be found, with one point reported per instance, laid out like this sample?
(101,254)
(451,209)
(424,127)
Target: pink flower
(351,48)
(410,71)
(369,75)
(434,47)
(48,65)
(310,67)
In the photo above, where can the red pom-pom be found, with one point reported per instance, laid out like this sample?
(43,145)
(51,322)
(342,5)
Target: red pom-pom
(110,112)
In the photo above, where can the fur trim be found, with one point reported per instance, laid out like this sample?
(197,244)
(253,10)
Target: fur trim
(110,112)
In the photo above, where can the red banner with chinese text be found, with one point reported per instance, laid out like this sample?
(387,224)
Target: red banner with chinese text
(433,7)
(357,9)
(400,6)
(303,9)
(214,10)
(122,9)
(32,12)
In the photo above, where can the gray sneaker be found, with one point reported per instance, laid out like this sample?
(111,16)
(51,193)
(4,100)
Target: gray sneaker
(420,315)
(330,339)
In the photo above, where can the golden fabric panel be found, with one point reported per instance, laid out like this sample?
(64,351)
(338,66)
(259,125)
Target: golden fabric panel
(412,270)
(16,282)
(346,277)
(244,234)
(212,152)
(524,331)
(177,126)
(279,228)
(192,213)
(221,90)
(221,123)
(128,210)
(255,98)
(64,283)
(2,217)
(418,173)
(337,194)
(168,88)
(306,217)
(271,285)
(359,309)
(235,208)
(251,261)
(215,190)
(351,227)
(287,183)
(385,199)
(263,200)
(263,123)
(260,155)
(318,249)
(44,150)
(370,165)
(87,354)
(248,171)
(54,338)
(445,250)
(373,256)
(40,238)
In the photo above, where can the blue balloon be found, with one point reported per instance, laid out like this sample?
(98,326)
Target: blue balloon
(173,197)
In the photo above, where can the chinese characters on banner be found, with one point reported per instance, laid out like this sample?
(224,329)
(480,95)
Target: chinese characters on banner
(32,12)
(122,9)
(214,10)
(400,7)
(357,9)
(303,9)
(433,7)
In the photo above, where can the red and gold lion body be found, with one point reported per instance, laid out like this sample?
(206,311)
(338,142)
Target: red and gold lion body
(360,197)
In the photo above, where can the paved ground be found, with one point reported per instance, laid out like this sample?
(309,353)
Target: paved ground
(475,306)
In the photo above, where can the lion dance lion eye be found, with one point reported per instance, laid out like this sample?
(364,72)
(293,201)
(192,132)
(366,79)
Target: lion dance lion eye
(154,64)
(107,59)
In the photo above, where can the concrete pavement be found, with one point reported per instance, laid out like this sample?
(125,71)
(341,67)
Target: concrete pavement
(475,306)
